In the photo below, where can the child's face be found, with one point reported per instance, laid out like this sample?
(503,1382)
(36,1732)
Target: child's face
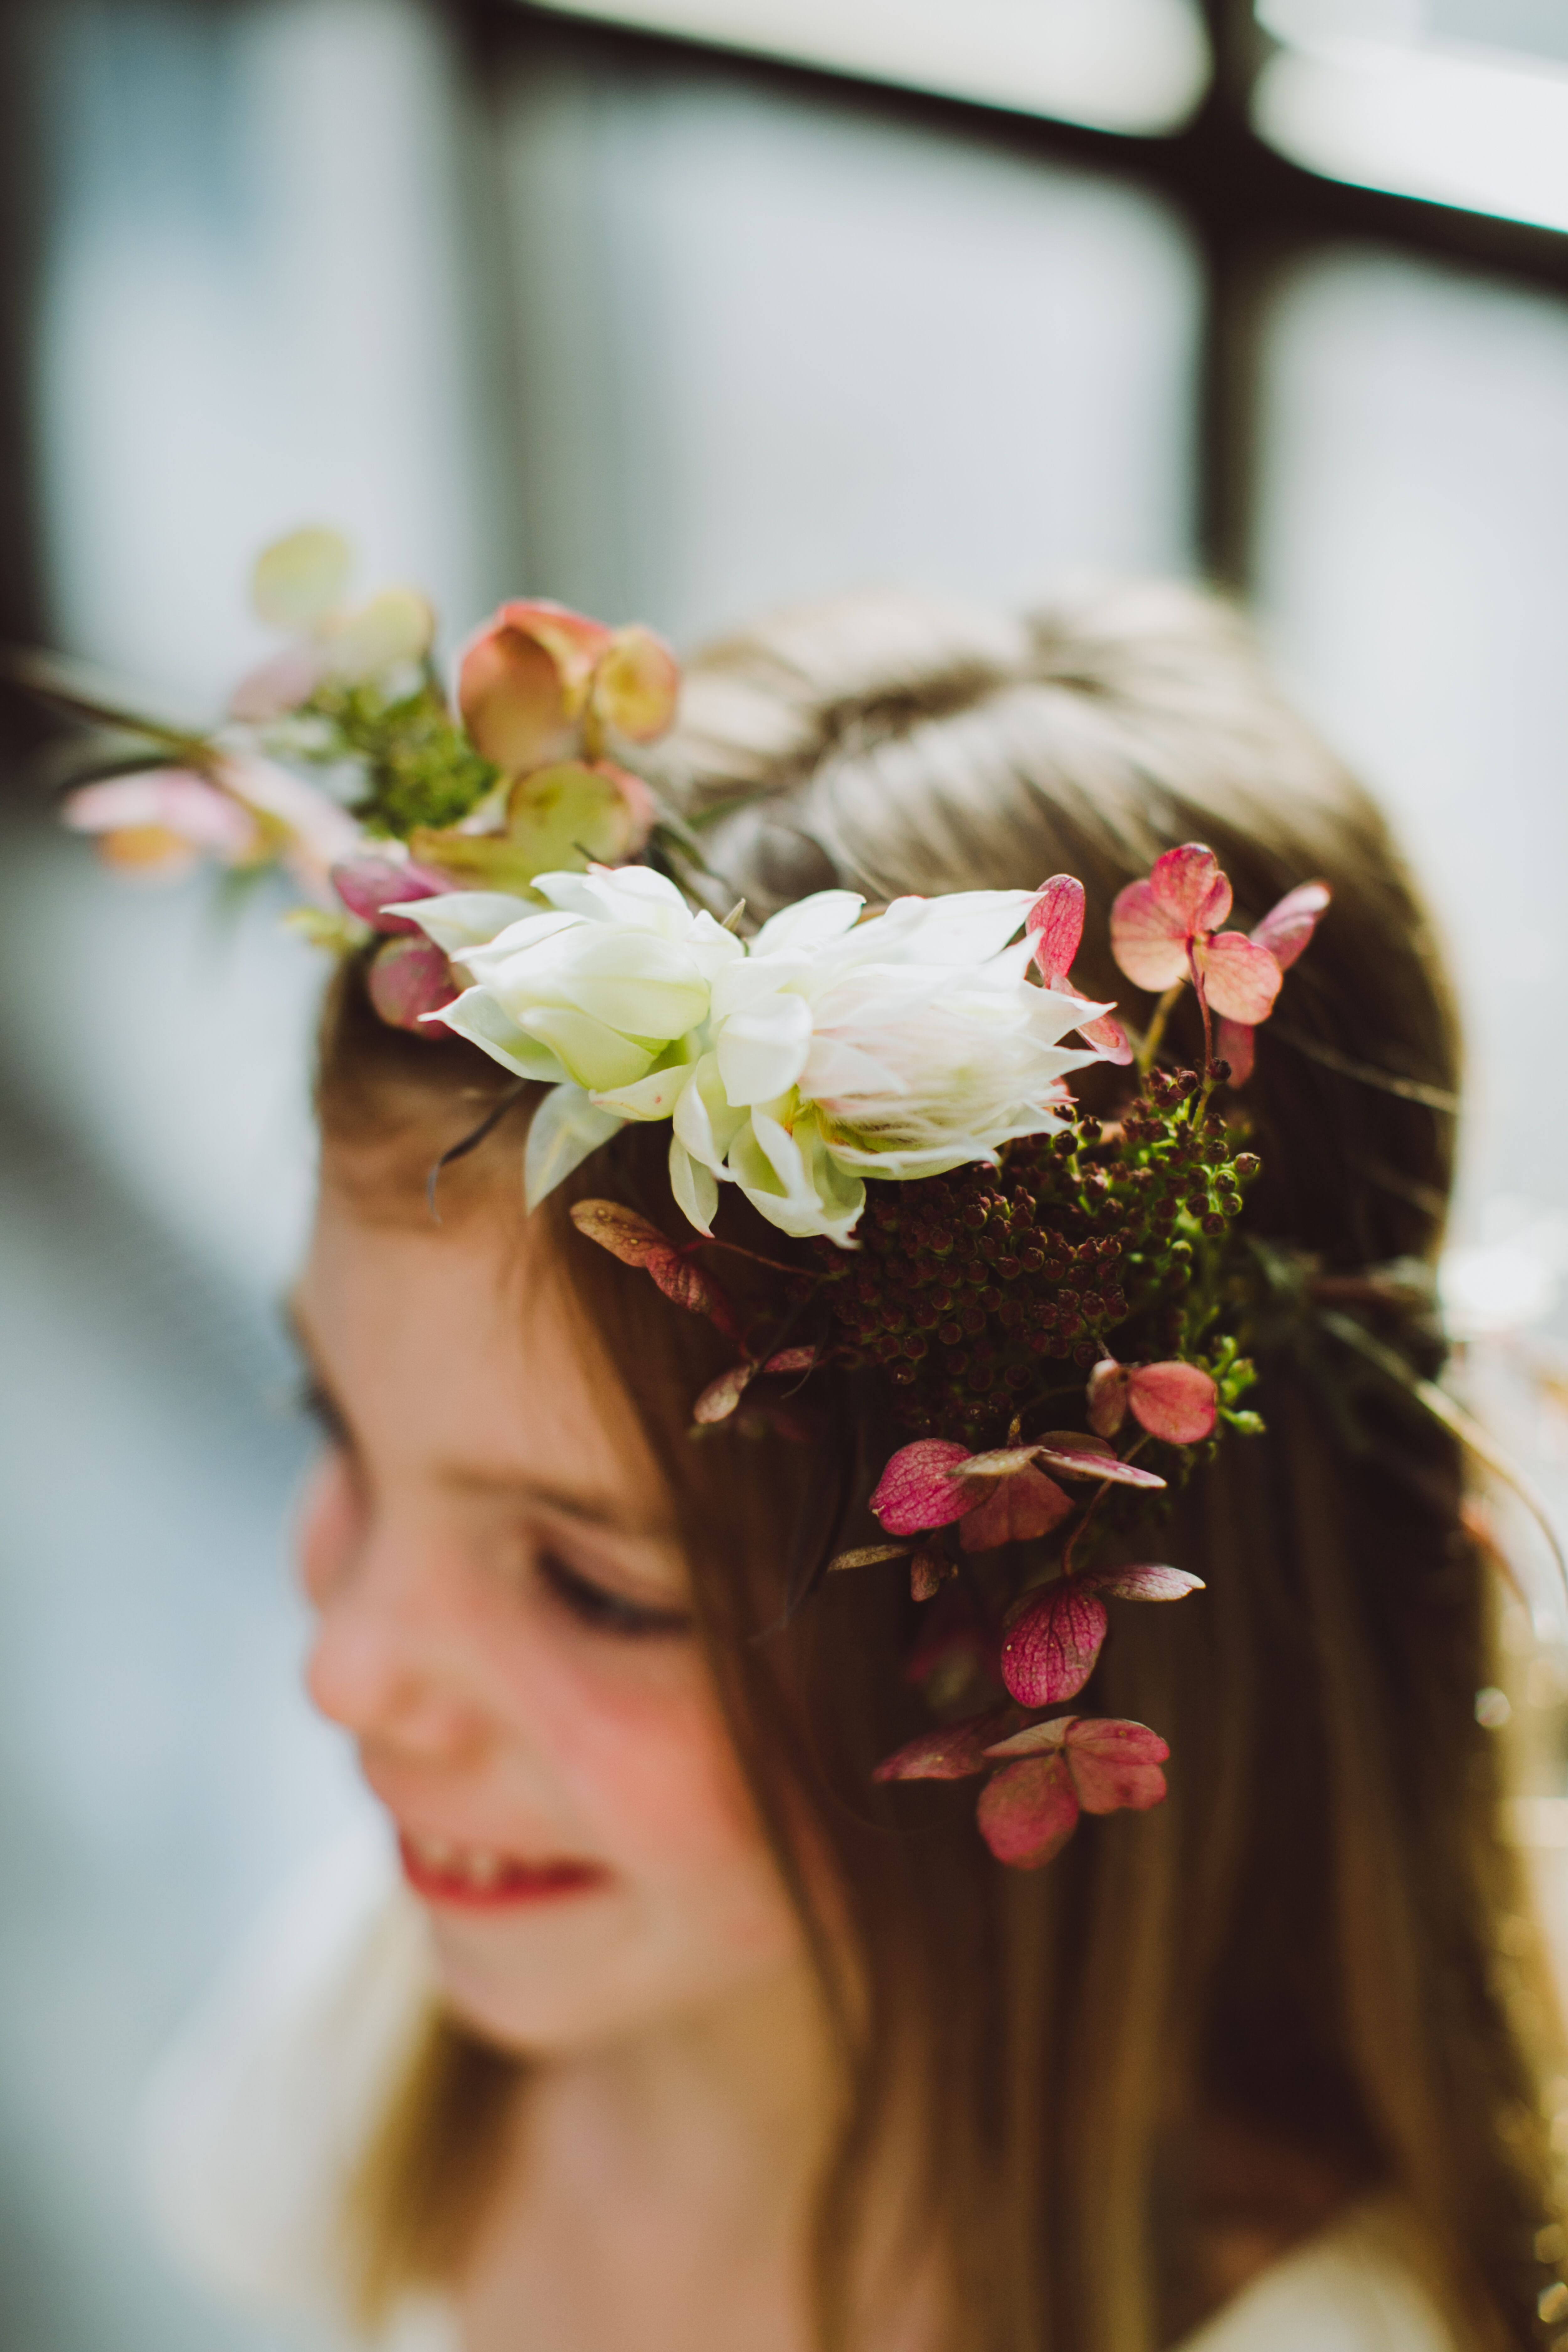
(502,1625)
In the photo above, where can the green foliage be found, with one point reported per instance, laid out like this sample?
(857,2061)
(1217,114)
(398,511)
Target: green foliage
(418,766)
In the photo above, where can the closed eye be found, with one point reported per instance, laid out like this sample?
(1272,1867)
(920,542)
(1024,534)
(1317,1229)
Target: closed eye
(319,1406)
(605,1611)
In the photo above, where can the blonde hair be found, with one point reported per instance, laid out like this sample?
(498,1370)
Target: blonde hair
(1306,1943)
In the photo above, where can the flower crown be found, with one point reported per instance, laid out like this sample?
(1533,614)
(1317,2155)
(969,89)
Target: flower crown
(887,1085)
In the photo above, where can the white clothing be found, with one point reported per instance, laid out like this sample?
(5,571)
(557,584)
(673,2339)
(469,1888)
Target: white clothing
(254,2121)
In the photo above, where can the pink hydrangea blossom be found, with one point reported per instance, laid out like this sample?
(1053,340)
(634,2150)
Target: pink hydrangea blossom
(1172,1401)
(1284,932)
(1166,929)
(1072,1765)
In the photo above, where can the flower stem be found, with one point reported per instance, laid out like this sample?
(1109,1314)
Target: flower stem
(1155,1032)
(1072,1542)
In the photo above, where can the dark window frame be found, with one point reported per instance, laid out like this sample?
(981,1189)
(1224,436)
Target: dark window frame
(1250,211)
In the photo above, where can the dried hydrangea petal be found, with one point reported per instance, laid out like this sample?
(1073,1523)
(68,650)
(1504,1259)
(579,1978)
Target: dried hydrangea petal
(1049,1651)
(1027,1812)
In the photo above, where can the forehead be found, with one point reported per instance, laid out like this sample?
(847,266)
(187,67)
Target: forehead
(462,1345)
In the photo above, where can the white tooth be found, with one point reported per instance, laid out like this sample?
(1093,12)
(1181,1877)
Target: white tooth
(484,1867)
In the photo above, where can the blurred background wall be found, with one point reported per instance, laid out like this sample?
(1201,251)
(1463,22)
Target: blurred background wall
(720,304)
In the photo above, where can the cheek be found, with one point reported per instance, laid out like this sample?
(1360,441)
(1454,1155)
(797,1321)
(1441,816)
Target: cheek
(328,1528)
(636,1737)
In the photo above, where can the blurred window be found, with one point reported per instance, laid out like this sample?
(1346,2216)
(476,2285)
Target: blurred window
(1136,66)
(1461,101)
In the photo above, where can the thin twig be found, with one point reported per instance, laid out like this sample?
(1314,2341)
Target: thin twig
(1388,1081)
(472,1142)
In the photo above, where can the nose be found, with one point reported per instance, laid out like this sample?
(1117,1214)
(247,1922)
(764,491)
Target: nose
(387,1659)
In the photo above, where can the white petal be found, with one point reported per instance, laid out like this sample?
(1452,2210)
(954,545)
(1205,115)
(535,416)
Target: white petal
(463,918)
(633,896)
(762,1053)
(528,933)
(694,1187)
(967,927)
(477,1016)
(652,1097)
(565,1130)
(705,1121)
(777,1179)
(596,1057)
(712,947)
(738,985)
(835,1067)
(824,916)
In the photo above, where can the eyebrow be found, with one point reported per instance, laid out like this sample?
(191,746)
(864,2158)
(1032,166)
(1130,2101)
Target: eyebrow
(590,1506)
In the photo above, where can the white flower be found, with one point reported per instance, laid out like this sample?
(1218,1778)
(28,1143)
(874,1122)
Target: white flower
(830,1051)
(895,1048)
(597,994)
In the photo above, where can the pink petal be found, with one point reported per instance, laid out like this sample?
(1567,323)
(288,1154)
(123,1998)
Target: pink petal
(1035,1739)
(950,1752)
(1015,1511)
(1189,886)
(1148,946)
(1077,1456)
(1107,1397)
(1108,1039)
(1144,1583)
(916,1490)
(1115,1764)
(409,979)
(278,686)
(719,1398)
(168,800)
(319,832)
(1049,1651)
(790,1360)
(1027,1812)
(1240,980)
(523,680)
(1174,1401)
(1055,923)
(1234,1044)
(366,885)
(637,685)
(1287,927)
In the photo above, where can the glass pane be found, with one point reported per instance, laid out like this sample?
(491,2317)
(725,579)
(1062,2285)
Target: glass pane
(1464,103)
(1413,565)
(770,348)
(1119,65)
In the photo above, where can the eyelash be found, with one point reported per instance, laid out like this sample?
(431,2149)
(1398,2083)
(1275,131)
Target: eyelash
(318,1406)
(607,1612)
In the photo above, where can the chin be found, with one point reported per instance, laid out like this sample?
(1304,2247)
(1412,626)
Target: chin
(555,1988)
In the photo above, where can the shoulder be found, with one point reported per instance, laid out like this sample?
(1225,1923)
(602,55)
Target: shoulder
(255,2120)
(1349,2290)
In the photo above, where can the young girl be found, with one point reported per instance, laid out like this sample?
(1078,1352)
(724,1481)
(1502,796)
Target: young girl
(681,2032)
